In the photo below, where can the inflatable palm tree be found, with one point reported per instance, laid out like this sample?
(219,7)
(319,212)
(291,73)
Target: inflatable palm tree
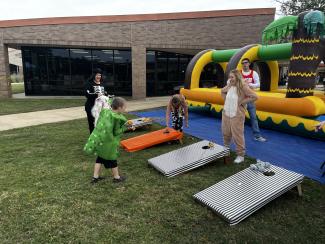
(307,31)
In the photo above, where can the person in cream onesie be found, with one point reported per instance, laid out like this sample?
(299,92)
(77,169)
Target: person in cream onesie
(236,95)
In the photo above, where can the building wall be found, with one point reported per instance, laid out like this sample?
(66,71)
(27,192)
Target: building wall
(194,34)
(5,88)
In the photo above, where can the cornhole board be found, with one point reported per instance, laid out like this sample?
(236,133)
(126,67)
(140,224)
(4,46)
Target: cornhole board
(150,139)
(238,196)
(188,158)
(139,122)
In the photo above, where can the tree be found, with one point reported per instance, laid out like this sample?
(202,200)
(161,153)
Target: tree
(294,7)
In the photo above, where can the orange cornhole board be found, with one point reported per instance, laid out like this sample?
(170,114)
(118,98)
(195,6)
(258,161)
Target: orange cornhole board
(150,139)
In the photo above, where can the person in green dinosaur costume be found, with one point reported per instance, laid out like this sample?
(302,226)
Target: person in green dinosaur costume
(104,141)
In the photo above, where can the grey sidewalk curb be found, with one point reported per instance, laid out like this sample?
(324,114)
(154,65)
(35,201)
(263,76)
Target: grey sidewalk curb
(14,121)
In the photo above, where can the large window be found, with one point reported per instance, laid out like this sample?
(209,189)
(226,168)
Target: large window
(173,63)
(62,71)
(165,72)
(184,60)
(151,72)
(58,71)
(123,72)
(162,62)
(35,71)
(81,69)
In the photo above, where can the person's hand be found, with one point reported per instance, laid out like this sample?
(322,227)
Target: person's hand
(147,120)
(247,81)
(319,126)
(132,127)
(129,124)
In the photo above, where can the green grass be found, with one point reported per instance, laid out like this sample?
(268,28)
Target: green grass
(17,88)
(46,197)
(13,106)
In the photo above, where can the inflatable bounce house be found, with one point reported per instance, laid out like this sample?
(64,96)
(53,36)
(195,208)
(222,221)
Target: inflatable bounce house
(296,109)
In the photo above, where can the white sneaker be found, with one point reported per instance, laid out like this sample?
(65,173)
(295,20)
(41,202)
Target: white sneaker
(260,139)
(239,159)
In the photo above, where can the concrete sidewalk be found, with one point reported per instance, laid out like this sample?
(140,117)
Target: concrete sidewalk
(13,121)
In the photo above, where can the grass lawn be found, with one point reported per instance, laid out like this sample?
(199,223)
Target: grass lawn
(46,197)
(13,106)
(17,88)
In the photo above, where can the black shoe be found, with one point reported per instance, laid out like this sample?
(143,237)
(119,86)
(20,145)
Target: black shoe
(95,180)
(121,179)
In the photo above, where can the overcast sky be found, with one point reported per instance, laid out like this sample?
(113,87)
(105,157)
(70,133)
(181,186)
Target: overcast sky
(25,9)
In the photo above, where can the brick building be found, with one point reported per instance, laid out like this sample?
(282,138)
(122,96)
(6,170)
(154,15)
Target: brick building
(141,55)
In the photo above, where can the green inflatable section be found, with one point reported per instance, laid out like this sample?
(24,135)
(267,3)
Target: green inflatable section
(275,52)
(219,56)
(265,53)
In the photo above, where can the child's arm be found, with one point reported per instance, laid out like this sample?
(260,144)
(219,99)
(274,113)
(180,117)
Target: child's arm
(89,90)
(224,91)
(250,95)
(185,108)
(119,126)
(168,113)
(186,115)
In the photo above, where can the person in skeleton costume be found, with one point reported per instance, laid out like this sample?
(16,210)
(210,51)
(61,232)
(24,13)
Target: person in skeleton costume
(93,89)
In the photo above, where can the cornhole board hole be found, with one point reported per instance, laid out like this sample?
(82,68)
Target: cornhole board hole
(188,158)
(139,122)
(238,196)
(150,139)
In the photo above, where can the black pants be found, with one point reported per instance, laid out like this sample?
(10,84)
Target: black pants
(108,164)
(91,121)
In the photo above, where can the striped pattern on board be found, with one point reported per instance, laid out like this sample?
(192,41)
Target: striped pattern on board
(188,158)
(238,196)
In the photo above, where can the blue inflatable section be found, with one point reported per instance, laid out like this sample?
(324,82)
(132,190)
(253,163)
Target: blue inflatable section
(320,118)
(295,153)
